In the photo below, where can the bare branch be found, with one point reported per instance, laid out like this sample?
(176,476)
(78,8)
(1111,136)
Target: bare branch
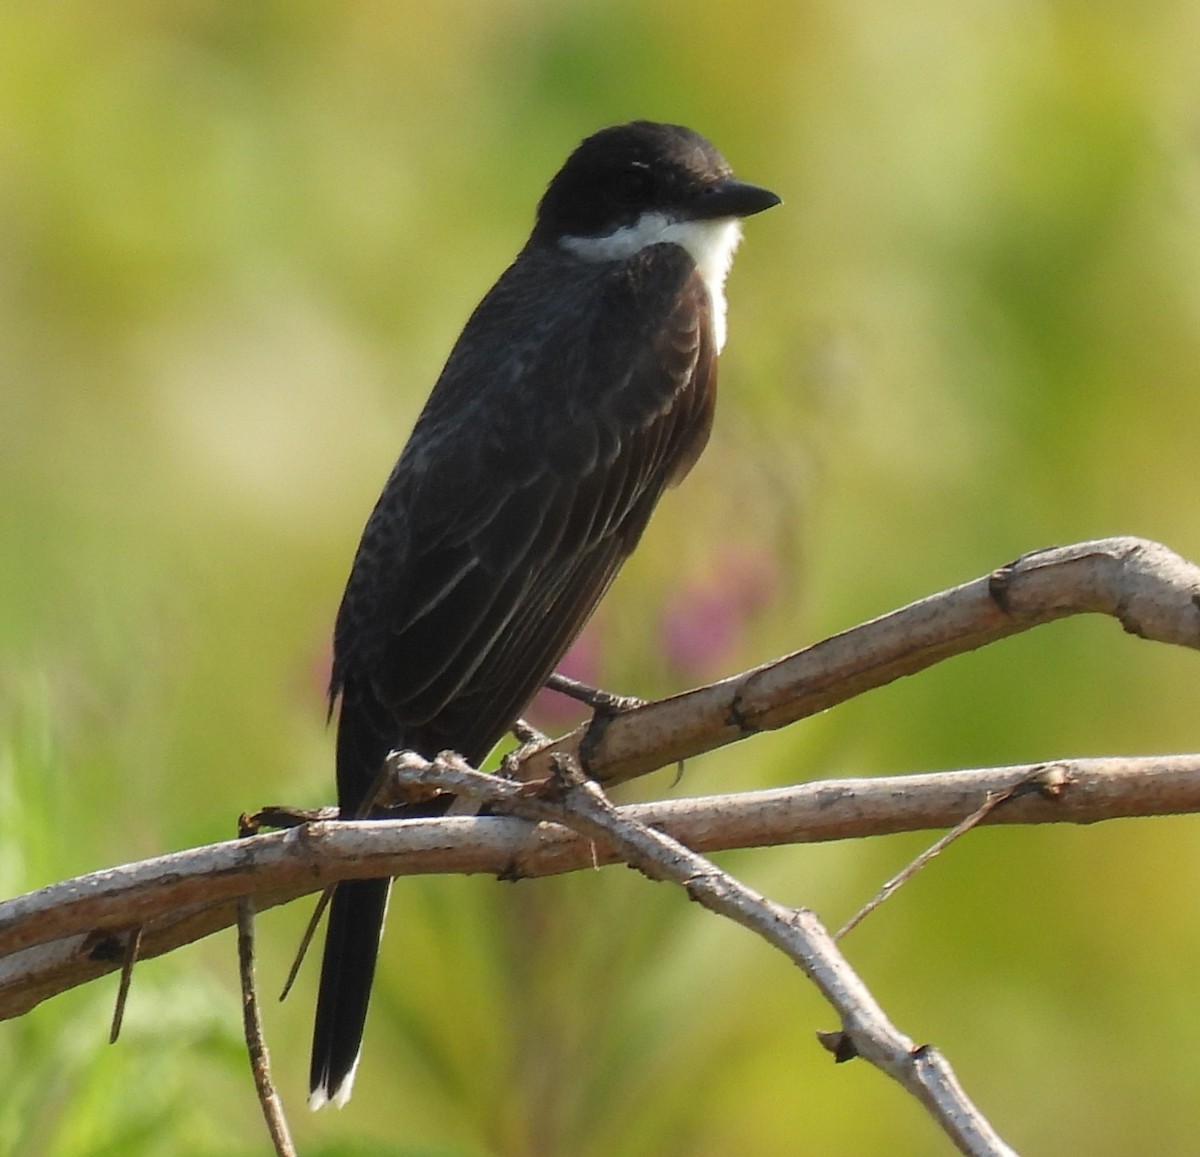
(1149,589)
(866,1030)
(75,931)
(256,1046)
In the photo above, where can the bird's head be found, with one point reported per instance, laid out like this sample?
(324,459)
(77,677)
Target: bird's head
(624,186)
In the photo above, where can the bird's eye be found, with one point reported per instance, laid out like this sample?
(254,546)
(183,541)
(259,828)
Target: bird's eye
(632,186)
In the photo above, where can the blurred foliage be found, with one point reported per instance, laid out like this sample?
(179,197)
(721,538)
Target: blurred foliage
(236,241)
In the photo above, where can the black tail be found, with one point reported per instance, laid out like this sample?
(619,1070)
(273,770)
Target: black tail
(366,733)
(347,970)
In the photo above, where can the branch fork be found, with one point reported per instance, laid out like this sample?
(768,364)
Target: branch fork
(51,940)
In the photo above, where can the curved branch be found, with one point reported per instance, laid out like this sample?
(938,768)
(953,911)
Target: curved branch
(74,931)
(1153,592)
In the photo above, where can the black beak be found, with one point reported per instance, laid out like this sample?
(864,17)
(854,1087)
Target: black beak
(733,198)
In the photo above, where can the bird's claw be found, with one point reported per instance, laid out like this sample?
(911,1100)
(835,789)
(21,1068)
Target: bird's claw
(600,701)
(529,740)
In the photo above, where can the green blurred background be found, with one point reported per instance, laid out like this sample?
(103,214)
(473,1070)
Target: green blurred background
(236,242)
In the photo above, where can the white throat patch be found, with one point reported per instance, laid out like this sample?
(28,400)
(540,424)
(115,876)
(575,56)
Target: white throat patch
(709,243)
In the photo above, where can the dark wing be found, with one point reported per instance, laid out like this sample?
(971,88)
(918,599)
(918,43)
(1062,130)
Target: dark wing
(521,493)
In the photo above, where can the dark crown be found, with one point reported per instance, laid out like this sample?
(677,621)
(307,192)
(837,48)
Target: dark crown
(619,173)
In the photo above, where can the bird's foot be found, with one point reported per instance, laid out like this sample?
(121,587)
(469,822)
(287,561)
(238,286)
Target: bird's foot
(276,816)
(600,701)
(529,740)
(605,708)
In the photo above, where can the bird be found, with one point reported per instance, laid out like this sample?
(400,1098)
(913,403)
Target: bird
(581,388)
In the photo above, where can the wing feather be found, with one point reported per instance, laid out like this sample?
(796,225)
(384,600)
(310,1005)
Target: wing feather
(511,511)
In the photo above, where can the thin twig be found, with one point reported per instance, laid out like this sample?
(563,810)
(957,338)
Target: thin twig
(1047,781)
(380,784)
(260,1060)
(310,930)
(132,947)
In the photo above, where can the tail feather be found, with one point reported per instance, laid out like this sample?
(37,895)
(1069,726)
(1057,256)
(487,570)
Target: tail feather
(347,970)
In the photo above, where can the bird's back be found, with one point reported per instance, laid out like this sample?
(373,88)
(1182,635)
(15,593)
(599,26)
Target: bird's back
(524,486)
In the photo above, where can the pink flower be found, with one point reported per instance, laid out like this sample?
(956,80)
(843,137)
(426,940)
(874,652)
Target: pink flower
(703,624)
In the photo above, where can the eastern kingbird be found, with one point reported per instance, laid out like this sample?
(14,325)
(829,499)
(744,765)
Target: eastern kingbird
(581,388)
